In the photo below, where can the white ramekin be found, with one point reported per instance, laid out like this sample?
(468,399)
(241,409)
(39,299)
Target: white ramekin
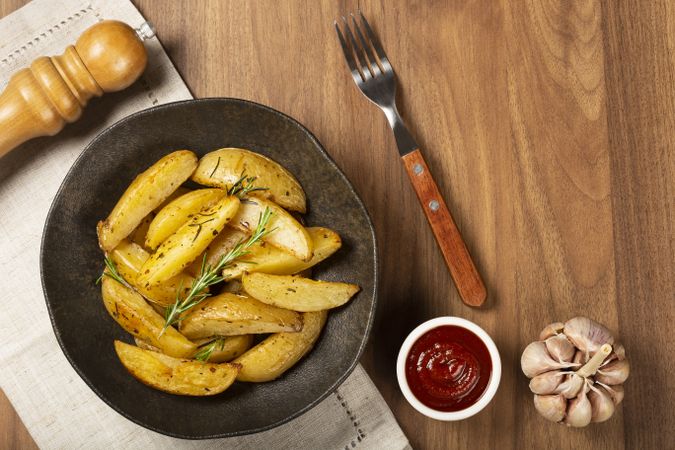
(490,389)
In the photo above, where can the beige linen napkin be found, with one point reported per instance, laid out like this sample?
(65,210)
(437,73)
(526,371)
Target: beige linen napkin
(59,410)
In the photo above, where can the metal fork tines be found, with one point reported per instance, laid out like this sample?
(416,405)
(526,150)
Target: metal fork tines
(373,74)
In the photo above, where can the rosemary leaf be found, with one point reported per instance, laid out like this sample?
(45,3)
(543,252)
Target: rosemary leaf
(207,349)
(210,275)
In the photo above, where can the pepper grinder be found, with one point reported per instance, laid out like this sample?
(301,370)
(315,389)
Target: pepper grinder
(39,100)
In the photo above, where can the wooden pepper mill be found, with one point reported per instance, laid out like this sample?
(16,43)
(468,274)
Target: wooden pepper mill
(40,99)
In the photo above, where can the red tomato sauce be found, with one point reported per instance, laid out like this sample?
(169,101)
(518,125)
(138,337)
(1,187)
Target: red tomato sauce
(448,368)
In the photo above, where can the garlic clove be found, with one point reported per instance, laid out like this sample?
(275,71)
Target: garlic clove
(536,360)
(616,372)
(602,406)
(615,392)
(551,330)
(580,357)
(579,412)
(547,382)
(560,348)
(552,407)
(571,386)
(619,352)
(587,334)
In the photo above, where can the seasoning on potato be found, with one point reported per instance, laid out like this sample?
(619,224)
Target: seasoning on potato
(169,249)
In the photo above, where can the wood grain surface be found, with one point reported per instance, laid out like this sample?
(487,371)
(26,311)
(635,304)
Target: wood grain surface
(549,127)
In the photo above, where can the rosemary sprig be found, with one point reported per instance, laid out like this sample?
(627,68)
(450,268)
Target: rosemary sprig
(243,186)
(111,271)
(207,349)
(210,275)
(215,168)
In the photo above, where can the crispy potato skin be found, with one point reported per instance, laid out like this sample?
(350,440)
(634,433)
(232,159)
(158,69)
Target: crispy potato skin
(173,375)
(222,168)
(297,293)
(129,259)
(279,352)
(229,315)
(143,195)
(137,317)
(188,242)
(266,258)
(288,235)
(223,243)
(179,211)
(233,346)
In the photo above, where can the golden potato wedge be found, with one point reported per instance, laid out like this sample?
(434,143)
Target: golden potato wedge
(222,168)
(182,190)
(279,352)
(188,242)
(129,259)
(223,243)
(138,235)
(232,347)
(288,234)
(297,293)
(266,258)
(136,316)
(230,315)
(176,213)
(143,195)
(173,375)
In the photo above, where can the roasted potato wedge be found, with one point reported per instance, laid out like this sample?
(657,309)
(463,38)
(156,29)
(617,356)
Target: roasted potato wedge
(232,347)
(136,316)
(138,235)
(182,190)
(222,168)
(188,242)
(266,258)
(173,375)
(223,243)
(143,195)
(297,293)
(129,259)
(230,315)
(177,212)
(288,234)
(279,352)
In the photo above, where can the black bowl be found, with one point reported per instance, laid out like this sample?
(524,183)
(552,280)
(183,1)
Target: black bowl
(71,261)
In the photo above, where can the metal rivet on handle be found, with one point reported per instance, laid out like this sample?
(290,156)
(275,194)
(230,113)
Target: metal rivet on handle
(434,205)
(418,169)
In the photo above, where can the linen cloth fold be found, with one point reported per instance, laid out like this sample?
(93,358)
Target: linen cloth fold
(57,407)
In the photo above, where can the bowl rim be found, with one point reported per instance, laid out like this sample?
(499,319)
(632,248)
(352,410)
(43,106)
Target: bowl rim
(376,267)
(490,390)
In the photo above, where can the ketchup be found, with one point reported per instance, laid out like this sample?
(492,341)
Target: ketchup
(448,368)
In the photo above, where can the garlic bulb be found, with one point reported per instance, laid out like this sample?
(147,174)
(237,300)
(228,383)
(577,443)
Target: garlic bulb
(577,372)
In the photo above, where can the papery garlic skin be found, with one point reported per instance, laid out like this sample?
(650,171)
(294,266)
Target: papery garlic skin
(552,407)
(571,387)
(586,334)
(547,382)
(576,372)
(560,348)
(579,412)
(551,330)
(615,392)
(536,360)
(613,373)
(602,406)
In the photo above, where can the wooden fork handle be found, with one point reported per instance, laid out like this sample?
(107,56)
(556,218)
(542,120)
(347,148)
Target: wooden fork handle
(462,269)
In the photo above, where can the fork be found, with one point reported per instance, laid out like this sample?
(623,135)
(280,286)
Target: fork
(374,76)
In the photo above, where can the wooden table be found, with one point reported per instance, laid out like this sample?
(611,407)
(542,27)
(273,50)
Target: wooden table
(550,128)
